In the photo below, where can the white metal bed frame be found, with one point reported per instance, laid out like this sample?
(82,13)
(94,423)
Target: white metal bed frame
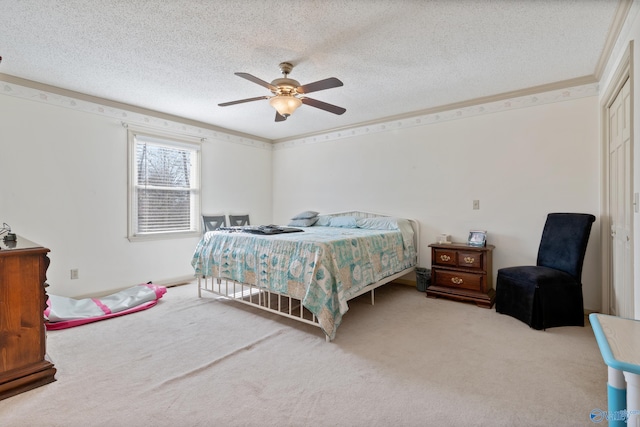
(285,305)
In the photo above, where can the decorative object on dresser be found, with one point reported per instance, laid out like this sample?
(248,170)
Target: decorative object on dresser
(477,238)
(23,363)
(462,272)
(444,238)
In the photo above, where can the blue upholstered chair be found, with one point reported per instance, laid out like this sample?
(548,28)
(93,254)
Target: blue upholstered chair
(550,293)
(213,222)
(238,220)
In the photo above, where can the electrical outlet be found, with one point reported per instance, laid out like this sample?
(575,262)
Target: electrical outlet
(476,204)
(74,273)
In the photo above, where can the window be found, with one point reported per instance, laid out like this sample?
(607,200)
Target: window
(164,186)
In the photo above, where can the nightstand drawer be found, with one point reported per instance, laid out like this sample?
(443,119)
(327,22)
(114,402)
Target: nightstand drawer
(445,257)
(457,279)
(470,260)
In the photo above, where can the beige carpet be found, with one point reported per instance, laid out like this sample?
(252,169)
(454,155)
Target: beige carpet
(405,361)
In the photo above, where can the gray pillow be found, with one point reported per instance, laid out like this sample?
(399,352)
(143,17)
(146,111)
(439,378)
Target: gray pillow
(306,215)
(305,222)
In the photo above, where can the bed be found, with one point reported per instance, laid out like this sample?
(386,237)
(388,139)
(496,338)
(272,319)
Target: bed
(309,275)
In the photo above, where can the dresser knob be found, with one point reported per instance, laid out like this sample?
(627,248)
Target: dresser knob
(445,257)
(457,280)
(469,259)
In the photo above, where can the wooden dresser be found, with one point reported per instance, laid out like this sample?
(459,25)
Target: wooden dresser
(462,272)
(23,363)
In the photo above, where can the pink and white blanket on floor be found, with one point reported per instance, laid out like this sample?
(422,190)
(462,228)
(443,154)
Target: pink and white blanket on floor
(64,312)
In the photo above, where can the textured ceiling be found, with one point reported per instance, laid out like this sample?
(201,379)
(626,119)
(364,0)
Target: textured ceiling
(394,57)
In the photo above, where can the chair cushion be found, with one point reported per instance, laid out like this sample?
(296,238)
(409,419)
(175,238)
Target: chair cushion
(538,276)
(542,297)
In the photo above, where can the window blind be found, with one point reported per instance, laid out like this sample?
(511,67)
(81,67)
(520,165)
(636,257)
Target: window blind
(165,186)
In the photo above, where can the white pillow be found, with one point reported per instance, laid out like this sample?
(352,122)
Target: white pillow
(390,223)
(379,223)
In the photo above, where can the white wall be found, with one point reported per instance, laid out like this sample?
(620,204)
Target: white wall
(65,179)
(520,164)
(64,186)
(236,179)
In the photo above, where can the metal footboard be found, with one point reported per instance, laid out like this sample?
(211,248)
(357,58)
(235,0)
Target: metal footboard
(255,296)
(275,302)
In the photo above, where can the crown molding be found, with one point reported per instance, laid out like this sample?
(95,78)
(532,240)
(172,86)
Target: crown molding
(539,95)
(53,95)
(622,12)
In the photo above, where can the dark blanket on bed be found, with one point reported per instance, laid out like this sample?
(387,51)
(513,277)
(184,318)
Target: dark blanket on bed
(263,229)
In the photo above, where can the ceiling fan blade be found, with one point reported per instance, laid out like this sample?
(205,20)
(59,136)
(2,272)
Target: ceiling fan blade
(319,85)
(323,105)
(256,80)
(240,101)
(280,117)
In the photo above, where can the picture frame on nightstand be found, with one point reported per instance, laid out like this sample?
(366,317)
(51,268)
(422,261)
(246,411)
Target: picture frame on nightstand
(477,238)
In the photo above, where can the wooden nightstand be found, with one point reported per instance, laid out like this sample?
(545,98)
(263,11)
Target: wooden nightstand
(462,272)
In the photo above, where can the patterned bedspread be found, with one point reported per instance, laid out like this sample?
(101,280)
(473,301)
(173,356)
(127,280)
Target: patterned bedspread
(323,266)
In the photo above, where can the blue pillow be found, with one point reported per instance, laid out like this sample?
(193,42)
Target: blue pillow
(323,220)
(343,221)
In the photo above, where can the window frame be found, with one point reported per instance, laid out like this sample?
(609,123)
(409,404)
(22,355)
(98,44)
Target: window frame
(173,141)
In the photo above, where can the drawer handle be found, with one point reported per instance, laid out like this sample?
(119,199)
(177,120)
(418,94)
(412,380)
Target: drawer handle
(445,257)
(457,280)
(469,259)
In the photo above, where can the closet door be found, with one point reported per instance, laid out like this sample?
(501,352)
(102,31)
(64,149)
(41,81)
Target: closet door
(621,205)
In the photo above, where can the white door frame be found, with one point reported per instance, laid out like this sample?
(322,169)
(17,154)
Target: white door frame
(623,73)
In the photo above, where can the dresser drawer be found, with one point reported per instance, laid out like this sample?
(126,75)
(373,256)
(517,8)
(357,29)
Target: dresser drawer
(445,257)
(457,279)
(470,259)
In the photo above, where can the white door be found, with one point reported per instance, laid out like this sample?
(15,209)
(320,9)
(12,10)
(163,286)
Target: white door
(620,204)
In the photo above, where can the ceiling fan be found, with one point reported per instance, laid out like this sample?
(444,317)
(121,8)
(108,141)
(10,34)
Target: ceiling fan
(289,95)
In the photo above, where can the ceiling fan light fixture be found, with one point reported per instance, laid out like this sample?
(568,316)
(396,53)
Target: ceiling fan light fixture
(288,95)
(285,104)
